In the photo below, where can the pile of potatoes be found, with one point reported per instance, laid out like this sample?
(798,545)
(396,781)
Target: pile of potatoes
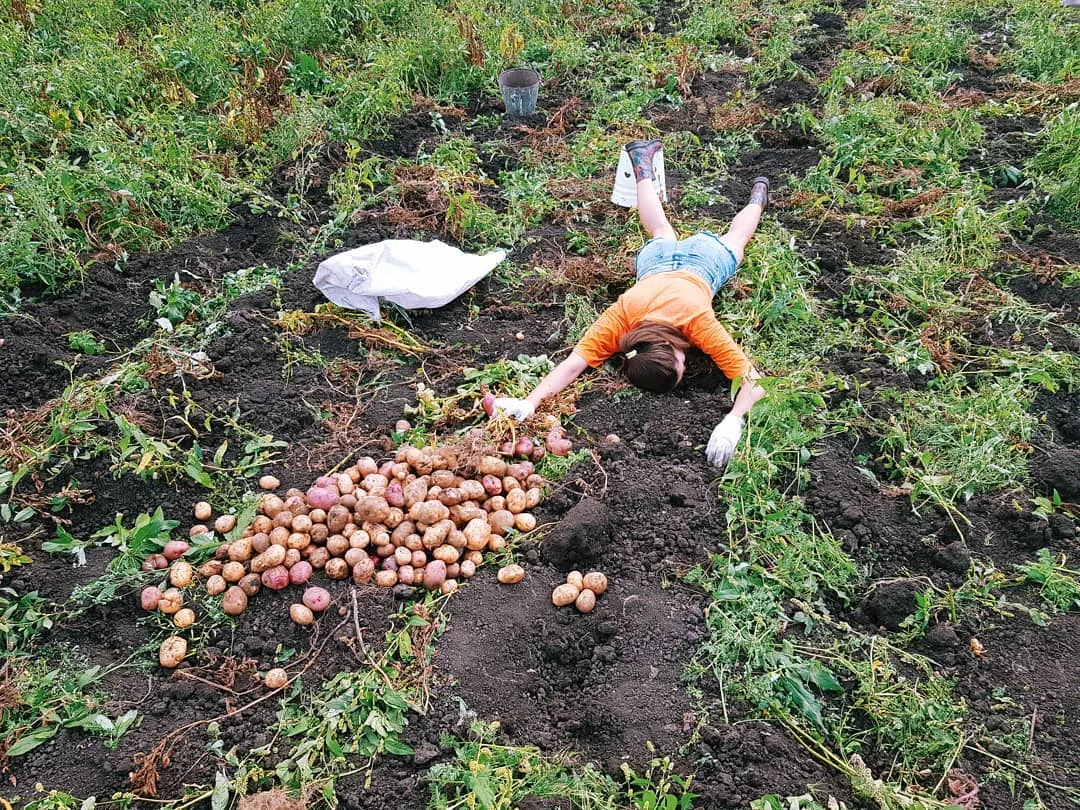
(580,590)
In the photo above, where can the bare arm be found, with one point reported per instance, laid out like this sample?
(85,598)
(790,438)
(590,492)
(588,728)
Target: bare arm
(558,378)
(749,393)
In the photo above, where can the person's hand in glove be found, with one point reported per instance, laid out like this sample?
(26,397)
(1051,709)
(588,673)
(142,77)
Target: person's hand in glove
(725,437)
(517,409)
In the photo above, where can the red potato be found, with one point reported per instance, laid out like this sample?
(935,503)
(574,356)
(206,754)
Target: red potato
(394,494)
(434,574)
(175,549)
(276,578)
(317,599)
(524,447)
(322,497)
(492,485)
(300,573)
(487,402)
(150,598)
(556,442)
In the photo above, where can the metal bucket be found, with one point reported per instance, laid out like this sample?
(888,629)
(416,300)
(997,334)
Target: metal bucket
(520,87)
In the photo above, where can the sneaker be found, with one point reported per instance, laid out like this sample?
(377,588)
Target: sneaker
(641,157)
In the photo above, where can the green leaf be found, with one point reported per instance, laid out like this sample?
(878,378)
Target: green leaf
(396,746)
(31,740)
(219,798)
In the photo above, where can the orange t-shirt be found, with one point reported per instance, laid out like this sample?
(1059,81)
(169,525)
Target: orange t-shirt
(677,298)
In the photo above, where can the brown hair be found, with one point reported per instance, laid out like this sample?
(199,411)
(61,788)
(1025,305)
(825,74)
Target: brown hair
(649,355)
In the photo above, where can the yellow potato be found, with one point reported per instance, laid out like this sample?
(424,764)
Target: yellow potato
(511,574)
(585,601)
(575,579)
(595,582)
(564,595)
(172,651)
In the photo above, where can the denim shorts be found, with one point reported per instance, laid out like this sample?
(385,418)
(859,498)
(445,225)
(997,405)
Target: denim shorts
(703,254)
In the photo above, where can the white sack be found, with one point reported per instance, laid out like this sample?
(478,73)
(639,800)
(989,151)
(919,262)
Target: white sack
(406,272)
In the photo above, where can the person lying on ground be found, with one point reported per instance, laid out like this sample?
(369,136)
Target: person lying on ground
(668,310)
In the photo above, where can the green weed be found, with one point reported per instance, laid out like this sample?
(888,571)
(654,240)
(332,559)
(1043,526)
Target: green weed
(1059,586)
(490,776)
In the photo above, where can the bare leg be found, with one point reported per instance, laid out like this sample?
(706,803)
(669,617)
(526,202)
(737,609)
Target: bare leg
(745,223)
(651,211)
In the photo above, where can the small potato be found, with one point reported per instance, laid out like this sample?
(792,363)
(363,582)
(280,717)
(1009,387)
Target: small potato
(496,543)
(209,568)
(595,582)
(429,512)
(337,545)
(477,532)
(276,579)
(175,549)
(336,518)
(302,524)
(283,519)
(354,555)
(225,524)
(574,578)
(301,614)
(373,509)
(468,569)
(417,559)
(300,573)
(406,574)
(492,485)
(185,617)
(260,542)
(456,538)
(271,505)
(292,557)
(564,595)
(317,599)
(263,524)
(216,585)
(203,511)
(171,601)
(181,574)
(472,490)
(492,465)
(297,541)
(251,584)
(501,521)
(509,484)
(585,601)
(532,497)
(363,571)
(150,598)
(336,568)
(276,678)
(317,516)
(386,579)
(240,550)
(348,501)
(172,651)
(298,505)
(269,482)
(515,501)
(495,504)
(453,571)
(448,554)
(279,536)
(524,522)
(403,555)
(448,586)
(234,602)
(476,557)
(319,533)
(511,574)
(233,571)
(318,558)
(273,556)
(434,574)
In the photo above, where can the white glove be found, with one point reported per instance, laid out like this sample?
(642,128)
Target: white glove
(517,409)
(725,437)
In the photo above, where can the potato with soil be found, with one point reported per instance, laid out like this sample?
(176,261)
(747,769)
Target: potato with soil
(564,595)
(172,652)
(234,602)
(511,574)
(276,678)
